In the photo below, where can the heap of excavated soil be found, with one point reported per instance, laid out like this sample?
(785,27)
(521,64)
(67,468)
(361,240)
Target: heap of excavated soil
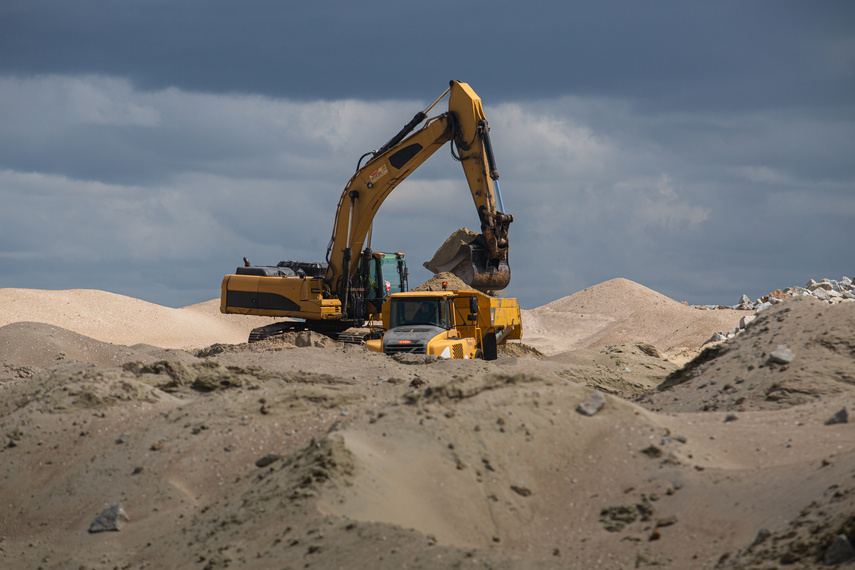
(118,319)
(747,373)
(452,281)
(620,311)
(341,458)
(450,249)
(27,347)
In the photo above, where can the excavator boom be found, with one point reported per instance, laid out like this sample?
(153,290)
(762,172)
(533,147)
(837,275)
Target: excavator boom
(464,124)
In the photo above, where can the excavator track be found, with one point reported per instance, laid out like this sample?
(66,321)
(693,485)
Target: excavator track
(338,331)
(358,335)
(276,329)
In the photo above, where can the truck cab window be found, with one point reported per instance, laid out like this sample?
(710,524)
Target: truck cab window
(426,311)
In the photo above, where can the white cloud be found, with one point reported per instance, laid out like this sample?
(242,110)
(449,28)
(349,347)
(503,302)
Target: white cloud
(54,217)
(540,145)
(53,101)
(657,202)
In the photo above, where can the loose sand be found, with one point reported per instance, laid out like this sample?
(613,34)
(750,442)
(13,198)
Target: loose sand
(268,455)
(123,320)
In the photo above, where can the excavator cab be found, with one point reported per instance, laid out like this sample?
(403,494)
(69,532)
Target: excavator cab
(383,274)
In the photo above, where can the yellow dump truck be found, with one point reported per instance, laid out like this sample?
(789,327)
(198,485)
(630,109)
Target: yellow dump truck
(451,324)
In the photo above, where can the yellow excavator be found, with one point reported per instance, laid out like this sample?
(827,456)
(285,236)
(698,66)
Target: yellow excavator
(345,292)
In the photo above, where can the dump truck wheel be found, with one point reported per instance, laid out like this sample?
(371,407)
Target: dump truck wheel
(490,346)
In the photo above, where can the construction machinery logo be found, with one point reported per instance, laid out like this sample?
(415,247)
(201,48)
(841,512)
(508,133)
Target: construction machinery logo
(378,173)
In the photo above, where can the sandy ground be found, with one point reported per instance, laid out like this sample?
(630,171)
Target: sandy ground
(301,452)
(117,319)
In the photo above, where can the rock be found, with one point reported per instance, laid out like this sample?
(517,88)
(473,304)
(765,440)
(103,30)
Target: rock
(841,417)
(652,451)
(655,535)
(761,537)
(782,355)
(778,294)
(825,284)
(113,517)
(717,337)
(827,290)
(840,551)
(649,350)
(267,460)
(592,405)
(821,294)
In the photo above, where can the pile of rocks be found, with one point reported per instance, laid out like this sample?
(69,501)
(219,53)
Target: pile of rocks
(827,290)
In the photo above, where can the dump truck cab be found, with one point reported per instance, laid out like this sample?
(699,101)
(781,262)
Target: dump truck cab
(450,324)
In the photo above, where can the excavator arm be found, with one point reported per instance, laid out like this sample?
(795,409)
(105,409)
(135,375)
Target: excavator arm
(466,127)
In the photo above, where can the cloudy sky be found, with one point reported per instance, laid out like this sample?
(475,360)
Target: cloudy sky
(702,149)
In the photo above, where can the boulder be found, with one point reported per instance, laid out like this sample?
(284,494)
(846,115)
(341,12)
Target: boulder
(112,518)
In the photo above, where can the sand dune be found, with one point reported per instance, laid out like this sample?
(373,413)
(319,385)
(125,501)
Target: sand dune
(619,311)
(613,312)
(118,319)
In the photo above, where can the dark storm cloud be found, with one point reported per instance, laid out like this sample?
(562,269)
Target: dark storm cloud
(664,55)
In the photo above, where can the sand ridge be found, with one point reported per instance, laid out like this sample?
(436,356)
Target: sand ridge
(118,319)
(619,311)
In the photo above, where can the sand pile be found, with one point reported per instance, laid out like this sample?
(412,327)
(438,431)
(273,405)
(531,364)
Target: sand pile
(619,311)
(26,347)
(448,256)
(435,283)
(797,352)
(118,319)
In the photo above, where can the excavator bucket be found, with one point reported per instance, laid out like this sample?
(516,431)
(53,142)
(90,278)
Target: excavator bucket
(464,255)
(480,272)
